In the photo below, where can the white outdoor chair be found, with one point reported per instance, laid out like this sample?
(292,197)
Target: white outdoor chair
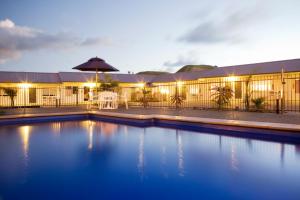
(90,100)
(125,99)
(107,100)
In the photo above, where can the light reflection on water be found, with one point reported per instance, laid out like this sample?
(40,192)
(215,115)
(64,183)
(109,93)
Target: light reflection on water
(89,152)
(180,153)
(90,132)
(25,136)
(141,156)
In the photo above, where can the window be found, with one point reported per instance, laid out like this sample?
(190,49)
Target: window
(194,91)
(297,86)
(238,90)
(164,90)
(75,90)
(69,90)
(2,93)
(265,85)
(49,92)
(32,95)
(182,91)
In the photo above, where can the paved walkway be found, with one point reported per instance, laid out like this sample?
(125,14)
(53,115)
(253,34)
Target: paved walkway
(288,118)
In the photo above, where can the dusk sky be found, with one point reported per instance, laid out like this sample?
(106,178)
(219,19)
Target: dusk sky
(138,35)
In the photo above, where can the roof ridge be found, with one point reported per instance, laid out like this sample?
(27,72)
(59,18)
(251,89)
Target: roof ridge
(29,72)
(267,62)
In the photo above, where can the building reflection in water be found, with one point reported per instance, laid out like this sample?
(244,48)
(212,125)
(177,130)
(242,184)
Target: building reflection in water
(220,143)
(108,128)
(297,149)
(102,128)
(126,133)
(282,150)
(249,143)
(180,153)
(141,155)
(95,129)
(25,136)
(56,127)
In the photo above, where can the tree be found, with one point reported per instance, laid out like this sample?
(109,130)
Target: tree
(12,93)
(248,93)
(76,91)
(144,100)
(108,84)
(222,95)
(177,99)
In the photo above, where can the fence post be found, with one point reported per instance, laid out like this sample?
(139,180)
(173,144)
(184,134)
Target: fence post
(283,91)
(277,105)
(24,91)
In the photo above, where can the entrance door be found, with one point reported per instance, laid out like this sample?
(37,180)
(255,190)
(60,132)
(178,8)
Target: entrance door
(32,95)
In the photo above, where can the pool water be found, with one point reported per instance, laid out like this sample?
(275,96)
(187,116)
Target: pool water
(97,160)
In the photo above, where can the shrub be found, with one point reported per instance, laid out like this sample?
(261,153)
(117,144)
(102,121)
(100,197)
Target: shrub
(259,103)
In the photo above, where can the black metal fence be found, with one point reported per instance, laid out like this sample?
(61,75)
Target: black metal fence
(265,93)
(253,93)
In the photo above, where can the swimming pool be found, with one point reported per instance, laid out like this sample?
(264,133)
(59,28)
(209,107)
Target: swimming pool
(99,160)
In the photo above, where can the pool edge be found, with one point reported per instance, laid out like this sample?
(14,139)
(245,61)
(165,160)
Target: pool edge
(236,128)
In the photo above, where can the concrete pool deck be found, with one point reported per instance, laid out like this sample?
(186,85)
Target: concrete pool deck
(284,122)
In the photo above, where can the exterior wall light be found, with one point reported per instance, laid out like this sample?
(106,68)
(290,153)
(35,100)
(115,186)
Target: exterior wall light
(164,91)
(179,83)
(141,85)
(231,78)
(90,84)
(24,85)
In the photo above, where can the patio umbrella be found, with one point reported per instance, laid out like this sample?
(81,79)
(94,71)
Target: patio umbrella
(96,64)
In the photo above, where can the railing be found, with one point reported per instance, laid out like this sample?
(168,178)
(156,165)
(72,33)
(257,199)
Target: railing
(277,93)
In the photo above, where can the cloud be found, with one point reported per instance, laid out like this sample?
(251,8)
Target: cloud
(14,40)
(180,61)
(189,58)
(227,26)
(97,40)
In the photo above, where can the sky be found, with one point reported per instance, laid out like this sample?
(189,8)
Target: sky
(140,35)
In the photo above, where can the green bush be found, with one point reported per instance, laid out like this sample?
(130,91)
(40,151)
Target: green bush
(259,103)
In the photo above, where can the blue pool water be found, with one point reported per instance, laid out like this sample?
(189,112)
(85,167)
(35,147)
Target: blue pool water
(97,160)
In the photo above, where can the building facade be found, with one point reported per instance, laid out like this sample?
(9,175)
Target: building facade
(277,83)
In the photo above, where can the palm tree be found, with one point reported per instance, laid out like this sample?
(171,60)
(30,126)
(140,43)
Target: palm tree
(222,95)
(108,84)
(259,103)
(145,99)
(248,93)
(177,99)
(12,93)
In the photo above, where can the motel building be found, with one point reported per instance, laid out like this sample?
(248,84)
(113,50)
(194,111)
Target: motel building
(277,82)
